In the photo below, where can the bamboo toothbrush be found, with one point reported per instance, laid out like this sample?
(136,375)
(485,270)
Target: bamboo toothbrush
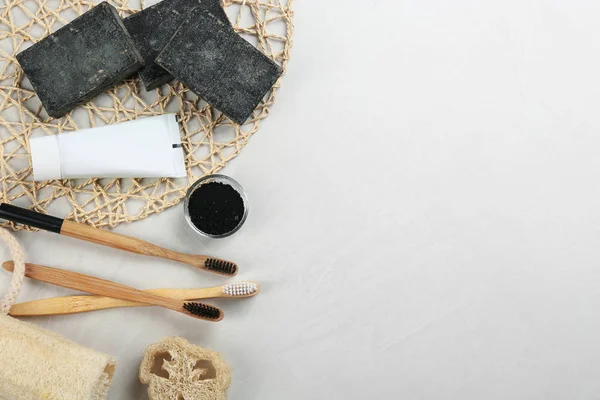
(77,304)
(101,287)
(111,239)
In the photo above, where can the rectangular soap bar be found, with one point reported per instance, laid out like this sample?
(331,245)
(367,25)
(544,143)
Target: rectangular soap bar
(152,28)
(80,60)
(218,65)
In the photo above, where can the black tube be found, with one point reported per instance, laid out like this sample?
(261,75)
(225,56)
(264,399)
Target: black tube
(30,218)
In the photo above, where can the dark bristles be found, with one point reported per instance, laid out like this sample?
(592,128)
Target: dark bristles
(221,266)
(203,310)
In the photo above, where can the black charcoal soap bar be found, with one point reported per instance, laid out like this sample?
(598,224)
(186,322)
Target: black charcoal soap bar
(218,65)
(152,28)
(80,60)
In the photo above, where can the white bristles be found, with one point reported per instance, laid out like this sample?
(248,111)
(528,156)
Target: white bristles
(240,288)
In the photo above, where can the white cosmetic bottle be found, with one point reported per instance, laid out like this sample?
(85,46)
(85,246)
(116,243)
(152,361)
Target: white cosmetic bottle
(142,148)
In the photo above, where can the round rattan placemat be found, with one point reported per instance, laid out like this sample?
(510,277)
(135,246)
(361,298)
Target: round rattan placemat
(209,139)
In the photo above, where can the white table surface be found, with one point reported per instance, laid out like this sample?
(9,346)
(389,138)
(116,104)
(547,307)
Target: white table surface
(424,215)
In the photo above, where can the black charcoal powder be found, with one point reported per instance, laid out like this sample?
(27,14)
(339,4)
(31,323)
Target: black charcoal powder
(216,208)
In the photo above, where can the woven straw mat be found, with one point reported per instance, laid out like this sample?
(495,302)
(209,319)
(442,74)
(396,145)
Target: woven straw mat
(210,140)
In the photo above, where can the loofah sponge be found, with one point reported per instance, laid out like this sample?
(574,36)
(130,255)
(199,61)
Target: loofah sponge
(38,364)
(174,369)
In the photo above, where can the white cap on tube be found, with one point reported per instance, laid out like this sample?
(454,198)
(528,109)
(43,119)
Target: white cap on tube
(45,158)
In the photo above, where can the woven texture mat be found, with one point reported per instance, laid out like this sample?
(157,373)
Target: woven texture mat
(210,140)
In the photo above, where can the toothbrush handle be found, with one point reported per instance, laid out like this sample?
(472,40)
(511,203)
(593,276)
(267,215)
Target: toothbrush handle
(78,304)
(92,285)
(111,239)
(86,232)
(124,242)
(30,218)
(133,245)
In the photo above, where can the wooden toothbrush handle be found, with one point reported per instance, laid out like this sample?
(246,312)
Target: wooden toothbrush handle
(68,305)
(110,239)
(78,304)
(89,284)
(127,243)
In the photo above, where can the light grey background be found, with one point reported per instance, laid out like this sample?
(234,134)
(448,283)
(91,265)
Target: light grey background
(425,215)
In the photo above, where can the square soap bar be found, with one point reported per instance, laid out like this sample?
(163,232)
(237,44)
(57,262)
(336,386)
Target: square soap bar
(218,65)
(153,27)
(80,60)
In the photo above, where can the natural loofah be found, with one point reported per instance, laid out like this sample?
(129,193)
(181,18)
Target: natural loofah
(38,364)
(175,369)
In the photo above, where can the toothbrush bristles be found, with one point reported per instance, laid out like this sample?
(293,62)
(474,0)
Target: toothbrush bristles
(203,310)
(240,288)
(221,266)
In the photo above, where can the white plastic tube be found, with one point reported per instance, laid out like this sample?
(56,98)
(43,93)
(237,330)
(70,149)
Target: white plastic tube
(143,148)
